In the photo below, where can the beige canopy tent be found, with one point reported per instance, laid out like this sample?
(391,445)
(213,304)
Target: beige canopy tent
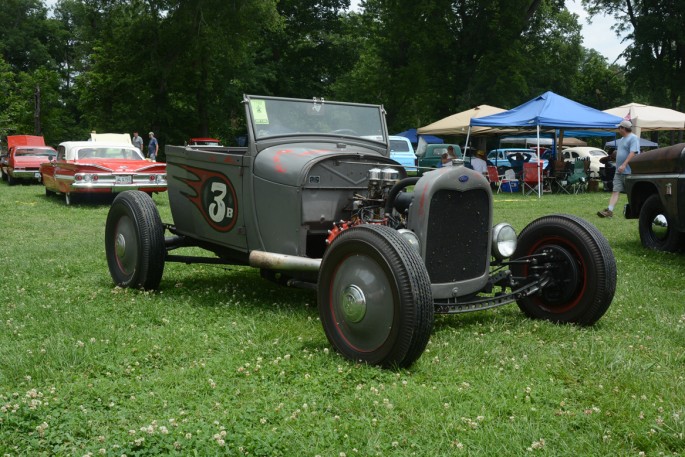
(648,118)
(458,124)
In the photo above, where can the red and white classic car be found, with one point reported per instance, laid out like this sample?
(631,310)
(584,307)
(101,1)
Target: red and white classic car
(25,153)
(89,167)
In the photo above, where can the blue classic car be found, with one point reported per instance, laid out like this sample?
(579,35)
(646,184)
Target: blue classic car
(402,151)
(506,158)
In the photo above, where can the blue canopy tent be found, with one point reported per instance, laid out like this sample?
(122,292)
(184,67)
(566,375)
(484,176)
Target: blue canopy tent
(643,144)
(549,111)
(414,137)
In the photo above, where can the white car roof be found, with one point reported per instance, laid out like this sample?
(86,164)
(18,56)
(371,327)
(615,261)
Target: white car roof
(70,147)
(111,138)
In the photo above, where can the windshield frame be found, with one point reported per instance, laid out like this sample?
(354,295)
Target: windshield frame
(342,130)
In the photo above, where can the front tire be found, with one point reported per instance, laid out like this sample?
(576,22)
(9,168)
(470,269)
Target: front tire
(657,229)
(134,241)
(11,180)
(580,264)
(374,297)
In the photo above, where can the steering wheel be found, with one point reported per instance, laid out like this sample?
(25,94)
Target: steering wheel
(345,132)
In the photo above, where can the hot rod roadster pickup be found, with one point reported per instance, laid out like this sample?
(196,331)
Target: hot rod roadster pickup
(314,201)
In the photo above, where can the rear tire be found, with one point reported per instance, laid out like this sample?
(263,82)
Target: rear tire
(374,297)
(657,229)
(49,193)
(134,241)
(583,270)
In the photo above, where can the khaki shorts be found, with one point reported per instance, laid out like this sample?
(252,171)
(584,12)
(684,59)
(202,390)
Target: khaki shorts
(619,183)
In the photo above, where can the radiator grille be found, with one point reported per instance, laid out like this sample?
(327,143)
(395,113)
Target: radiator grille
(457,235)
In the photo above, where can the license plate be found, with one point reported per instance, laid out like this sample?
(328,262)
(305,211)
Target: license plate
(36,175)
(123,180)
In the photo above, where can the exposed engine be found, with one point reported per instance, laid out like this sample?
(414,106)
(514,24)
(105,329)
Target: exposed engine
(376,206)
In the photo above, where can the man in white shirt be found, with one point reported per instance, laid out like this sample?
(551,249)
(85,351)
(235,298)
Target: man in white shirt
(478,162)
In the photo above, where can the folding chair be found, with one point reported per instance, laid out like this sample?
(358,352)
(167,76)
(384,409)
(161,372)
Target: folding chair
(578,179)
(494,178)
(531,177)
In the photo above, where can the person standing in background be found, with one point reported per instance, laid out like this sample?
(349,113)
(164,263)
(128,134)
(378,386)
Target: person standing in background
(626,148)
(152,147)
(137,142)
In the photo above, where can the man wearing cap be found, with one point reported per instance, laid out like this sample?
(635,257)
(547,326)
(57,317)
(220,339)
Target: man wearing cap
(152,147)
(626,148)
(478,162)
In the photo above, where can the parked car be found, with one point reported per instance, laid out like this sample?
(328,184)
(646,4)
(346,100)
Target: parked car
(401,151)
(204,142)
(655,188)
(87,167)
(500,158)
(325,208)
(430,157)
(594,155)
(24,155)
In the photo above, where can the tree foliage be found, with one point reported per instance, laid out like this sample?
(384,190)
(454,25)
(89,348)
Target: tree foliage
(180,67)
(655,58)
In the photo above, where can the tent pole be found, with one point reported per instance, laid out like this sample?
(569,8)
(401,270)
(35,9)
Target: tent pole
(468,134)
(539,166)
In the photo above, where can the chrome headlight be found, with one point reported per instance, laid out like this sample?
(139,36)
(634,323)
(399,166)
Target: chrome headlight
(503,241)
(412,239)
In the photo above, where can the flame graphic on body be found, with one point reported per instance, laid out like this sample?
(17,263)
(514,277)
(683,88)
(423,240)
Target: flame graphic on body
(196,198)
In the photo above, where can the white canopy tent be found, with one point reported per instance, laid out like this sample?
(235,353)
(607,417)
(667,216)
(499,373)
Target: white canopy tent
(649,118)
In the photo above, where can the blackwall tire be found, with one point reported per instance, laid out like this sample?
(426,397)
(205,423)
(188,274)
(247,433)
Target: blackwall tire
(374,297)
(134,241)
(583,274)
(49,193)
(657,230)
(10,180)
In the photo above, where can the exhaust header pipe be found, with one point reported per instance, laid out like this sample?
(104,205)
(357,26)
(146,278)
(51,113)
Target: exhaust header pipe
(271,261)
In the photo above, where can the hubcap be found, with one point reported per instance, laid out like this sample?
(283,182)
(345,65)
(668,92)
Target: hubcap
(120,245)
(660,226)
(353,303)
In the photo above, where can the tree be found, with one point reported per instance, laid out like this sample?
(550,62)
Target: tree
(656,57)
(425,60)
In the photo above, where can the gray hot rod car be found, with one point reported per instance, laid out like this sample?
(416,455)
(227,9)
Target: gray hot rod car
(314,201)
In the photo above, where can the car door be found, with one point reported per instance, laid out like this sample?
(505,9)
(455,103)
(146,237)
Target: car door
(48,170)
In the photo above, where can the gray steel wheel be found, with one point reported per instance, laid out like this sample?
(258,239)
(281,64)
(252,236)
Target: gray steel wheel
(134,241)
(657,230)
(580,264)
(374,297)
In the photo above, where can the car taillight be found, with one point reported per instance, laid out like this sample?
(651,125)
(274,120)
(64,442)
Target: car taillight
(95,177)
(78,178)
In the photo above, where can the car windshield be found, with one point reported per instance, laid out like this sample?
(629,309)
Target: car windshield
(109,152)
(278,117)
(36,152)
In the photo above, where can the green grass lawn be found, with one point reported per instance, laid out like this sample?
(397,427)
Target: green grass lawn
(221,362)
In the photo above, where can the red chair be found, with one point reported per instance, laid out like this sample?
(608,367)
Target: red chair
(494,178)
(532,176)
